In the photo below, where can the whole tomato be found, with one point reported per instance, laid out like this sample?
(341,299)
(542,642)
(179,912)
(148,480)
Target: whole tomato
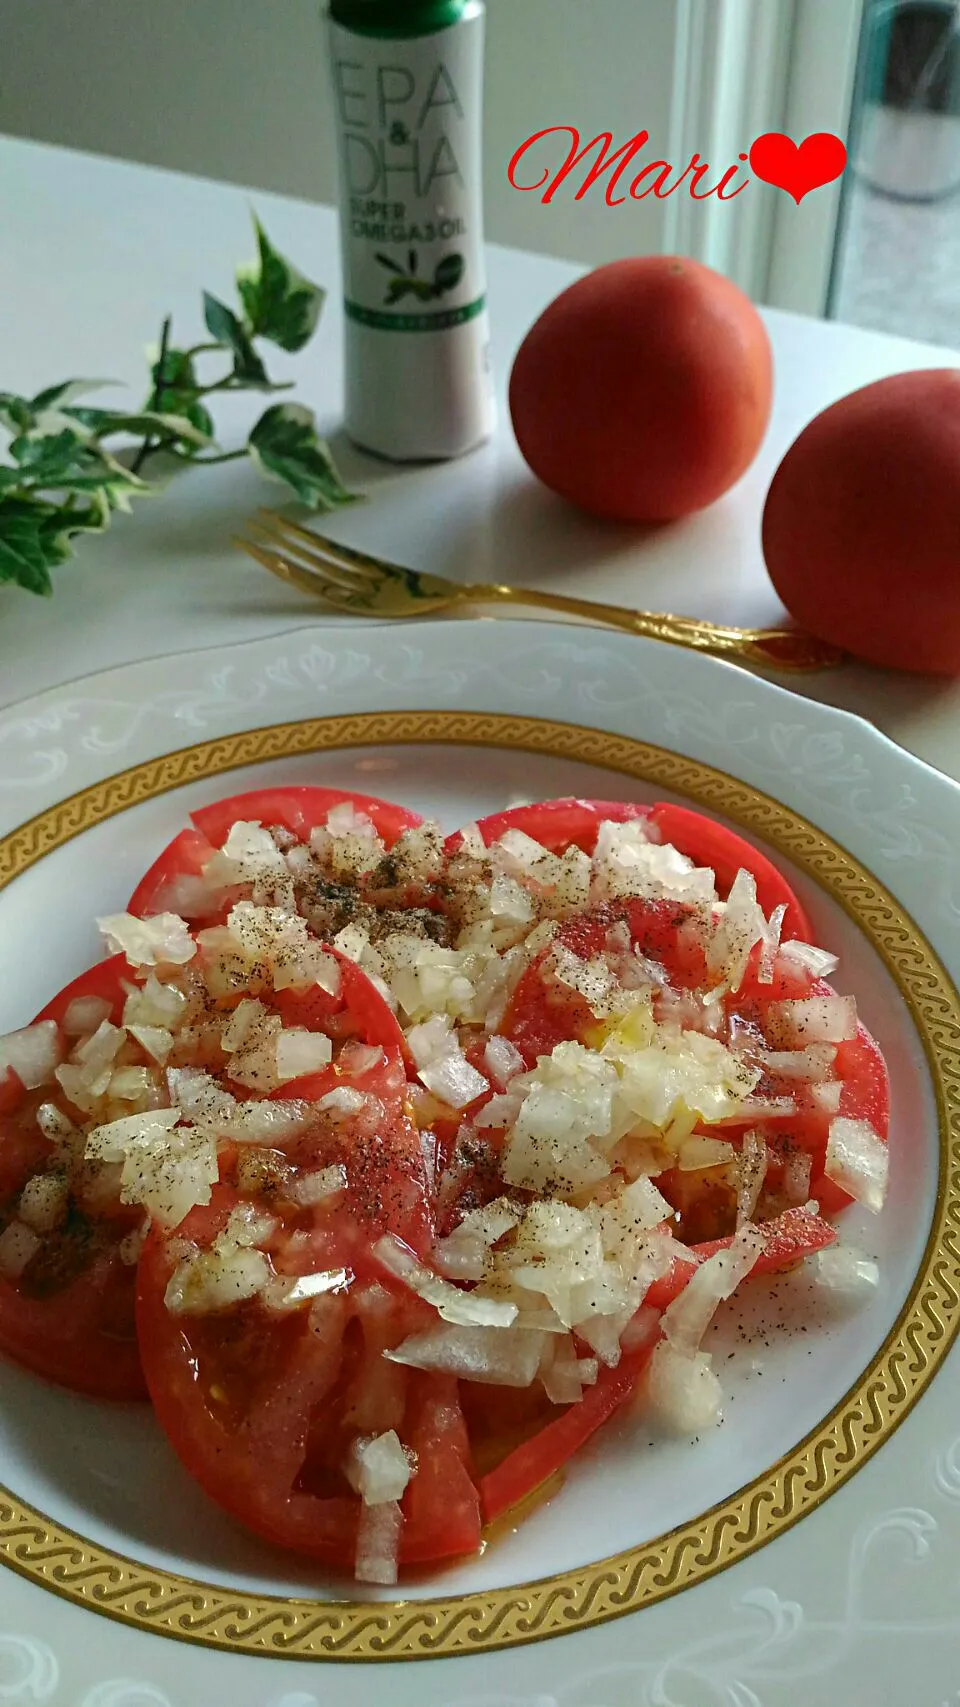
(643,391)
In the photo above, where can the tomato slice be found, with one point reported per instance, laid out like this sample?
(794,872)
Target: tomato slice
(70,1315)
(299,809)
(557,824)
(262,1405)
(533,1463)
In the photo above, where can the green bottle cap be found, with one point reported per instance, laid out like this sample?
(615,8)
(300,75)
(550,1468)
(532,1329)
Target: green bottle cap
(396,17)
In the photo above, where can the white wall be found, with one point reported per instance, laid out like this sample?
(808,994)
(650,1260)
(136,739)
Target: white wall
(237,89)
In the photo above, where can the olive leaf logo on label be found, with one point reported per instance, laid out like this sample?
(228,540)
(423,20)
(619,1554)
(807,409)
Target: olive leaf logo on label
(407,281)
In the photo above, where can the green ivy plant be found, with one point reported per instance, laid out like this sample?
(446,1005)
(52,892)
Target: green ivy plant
(60,479)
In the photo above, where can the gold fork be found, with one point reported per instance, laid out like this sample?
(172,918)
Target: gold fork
(355,584)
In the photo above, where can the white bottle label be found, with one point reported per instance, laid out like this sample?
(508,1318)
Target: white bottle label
(408,114)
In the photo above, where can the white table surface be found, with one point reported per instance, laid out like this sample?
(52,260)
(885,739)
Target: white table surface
(93,254)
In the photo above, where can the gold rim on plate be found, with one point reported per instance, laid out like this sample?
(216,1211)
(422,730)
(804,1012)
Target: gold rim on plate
(280,1626)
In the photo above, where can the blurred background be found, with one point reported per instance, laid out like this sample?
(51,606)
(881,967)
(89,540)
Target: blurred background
(238,90)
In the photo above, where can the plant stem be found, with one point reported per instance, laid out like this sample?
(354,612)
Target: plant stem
(222,456)
(201,350)
(149,445)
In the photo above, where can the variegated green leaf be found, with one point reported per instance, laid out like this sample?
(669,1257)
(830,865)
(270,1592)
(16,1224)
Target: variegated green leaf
(285,446)
(280,304)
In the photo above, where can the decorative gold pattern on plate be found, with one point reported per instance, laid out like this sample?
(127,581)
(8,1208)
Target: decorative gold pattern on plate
(151,1599)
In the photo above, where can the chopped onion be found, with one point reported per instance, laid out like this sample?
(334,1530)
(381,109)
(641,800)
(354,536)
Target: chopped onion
(111,1142)
(563,1374)
(33,1053)
(843,1268)
(454,1081)
(154,1004)
(84,1014)
(858,1161)
(197,1093)
(684,1392)
(740,924)
(300,1051)
(811,1019)
(345,820)
(163,940)
(189,895)
(462,1254)
(771,942)
(378,1543)
(54,1124)
(245,1021)
(155,1039)
(502,1060)
(264,1121)
(359,1058)
(751,1174)
(813,1063)
(380,1468)
(18,1245)
(43,1202)
(686,1320)
(465,1309)
(500,1357)
(135,1084)
(797,1174)
(817,961)
(286,1292)
(168,1172)
(828,1095)
(626,861)
(759,1108)
(315,1187)
(696,1153)
(213,1280)
(441,1064)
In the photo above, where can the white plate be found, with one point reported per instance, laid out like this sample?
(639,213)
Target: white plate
(861,1586)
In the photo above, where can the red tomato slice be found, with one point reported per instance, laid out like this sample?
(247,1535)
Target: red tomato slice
(298,809)
(558,823)
(787,1240)
(538,1459)
(261,1406)
(70,1316)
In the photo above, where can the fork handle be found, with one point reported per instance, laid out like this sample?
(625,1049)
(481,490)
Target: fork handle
(776,648)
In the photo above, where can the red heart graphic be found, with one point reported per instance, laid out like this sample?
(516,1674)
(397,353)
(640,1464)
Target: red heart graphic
(798,168)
